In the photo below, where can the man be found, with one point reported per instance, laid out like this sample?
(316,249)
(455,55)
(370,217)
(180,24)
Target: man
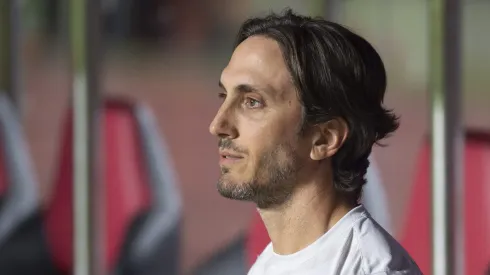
(302,108)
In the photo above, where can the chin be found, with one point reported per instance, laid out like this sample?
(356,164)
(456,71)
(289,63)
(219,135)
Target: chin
(236,190)
(263,195)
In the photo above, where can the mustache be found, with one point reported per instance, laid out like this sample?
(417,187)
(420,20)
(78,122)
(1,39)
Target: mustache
(228,144)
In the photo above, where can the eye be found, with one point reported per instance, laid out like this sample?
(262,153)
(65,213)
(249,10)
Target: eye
(253,103)
(222,95)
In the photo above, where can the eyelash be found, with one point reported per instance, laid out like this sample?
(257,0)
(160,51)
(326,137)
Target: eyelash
(247,102)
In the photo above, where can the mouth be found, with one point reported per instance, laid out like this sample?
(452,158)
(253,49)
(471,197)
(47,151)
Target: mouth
(229,158)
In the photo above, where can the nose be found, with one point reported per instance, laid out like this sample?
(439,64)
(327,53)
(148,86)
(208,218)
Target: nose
(223,124)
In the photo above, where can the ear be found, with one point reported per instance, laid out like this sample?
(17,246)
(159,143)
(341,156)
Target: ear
(328,138)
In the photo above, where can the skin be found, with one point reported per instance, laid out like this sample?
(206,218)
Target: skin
(267,156)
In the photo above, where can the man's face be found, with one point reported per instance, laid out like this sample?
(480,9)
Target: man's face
(258,126)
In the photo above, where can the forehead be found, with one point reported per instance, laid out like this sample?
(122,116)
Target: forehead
(257,61)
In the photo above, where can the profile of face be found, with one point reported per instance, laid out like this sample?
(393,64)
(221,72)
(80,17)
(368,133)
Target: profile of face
(259,126)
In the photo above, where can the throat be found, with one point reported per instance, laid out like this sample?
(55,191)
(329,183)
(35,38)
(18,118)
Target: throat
(302,221)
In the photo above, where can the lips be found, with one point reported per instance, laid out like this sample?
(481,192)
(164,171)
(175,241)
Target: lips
(227,157)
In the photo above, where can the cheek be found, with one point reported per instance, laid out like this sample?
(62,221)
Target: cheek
(264,136)
(264,150)
(265,133)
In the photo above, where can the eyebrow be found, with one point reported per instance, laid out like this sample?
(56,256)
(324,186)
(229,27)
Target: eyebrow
(242,88)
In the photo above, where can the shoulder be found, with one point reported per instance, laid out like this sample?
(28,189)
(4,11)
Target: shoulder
(380,252)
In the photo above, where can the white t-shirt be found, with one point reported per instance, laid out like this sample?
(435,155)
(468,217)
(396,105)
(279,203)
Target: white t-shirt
(354,245)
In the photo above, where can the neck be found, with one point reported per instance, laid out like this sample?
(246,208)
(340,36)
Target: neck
(309,214)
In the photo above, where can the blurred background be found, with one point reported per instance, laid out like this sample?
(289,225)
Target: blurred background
(161,63)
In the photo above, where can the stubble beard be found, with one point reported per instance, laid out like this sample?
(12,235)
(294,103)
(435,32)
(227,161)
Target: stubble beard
(273,182)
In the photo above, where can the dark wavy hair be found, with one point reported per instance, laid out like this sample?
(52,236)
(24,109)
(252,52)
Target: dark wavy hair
(338,74)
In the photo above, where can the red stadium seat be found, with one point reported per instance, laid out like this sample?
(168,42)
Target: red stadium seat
(141,202)
(416,235)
